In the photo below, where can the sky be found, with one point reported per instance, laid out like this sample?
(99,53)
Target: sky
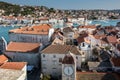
(70,4)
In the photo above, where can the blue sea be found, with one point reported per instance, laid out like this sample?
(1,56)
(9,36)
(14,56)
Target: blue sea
(106,22)
(4,30)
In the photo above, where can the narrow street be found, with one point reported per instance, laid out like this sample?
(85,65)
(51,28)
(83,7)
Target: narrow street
(34,75)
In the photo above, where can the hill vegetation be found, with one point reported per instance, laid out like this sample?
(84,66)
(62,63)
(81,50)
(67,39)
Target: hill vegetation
(16,9)
(38,11)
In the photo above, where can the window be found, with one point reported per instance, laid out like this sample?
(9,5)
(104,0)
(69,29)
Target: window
(70,36)
(44,68)
(89,46)
(53,68)
(44,61)
(54,62)
(83,44)
(76,57)
(54,73)
(60,59)
(83,53)
(43,64)
(43,56)
(54,56)
(60,64)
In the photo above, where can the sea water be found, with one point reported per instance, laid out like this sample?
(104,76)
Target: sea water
(105,22)
(4,31)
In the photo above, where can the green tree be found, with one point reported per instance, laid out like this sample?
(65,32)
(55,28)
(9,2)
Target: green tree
(112,17)
(46,77)
(51,10)
(95,52)
(107,47)
(92,17)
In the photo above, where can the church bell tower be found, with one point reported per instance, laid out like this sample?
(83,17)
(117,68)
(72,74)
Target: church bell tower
(69,67)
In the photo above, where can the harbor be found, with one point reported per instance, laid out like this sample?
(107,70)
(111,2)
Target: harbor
(4,29)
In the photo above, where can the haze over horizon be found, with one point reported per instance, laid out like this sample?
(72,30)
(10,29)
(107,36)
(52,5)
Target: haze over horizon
(70,4)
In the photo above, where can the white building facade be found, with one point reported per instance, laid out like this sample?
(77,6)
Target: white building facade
(51,62)
(37,34)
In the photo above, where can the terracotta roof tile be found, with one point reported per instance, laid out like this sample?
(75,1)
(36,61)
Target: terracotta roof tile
(10,17)
(95,76)
(38,29)
(44,27)
(99,36)
(61,49)
(20,17)
(3,59)
(116,61)
(111,39)
(57,41)
(23,47)
(44,19)
(80,39)
(14,65)
(88,26)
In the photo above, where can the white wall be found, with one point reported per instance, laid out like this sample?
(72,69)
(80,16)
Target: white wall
(29,38)
(86,49)
(22,77)
(25,72)
(30,58)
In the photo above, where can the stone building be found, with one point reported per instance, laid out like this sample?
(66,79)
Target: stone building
(34,34)
(53,56)
(24,52)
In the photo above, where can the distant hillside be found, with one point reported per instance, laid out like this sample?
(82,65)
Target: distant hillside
(34,11)
(16,9)
(4,5)
(116,10)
